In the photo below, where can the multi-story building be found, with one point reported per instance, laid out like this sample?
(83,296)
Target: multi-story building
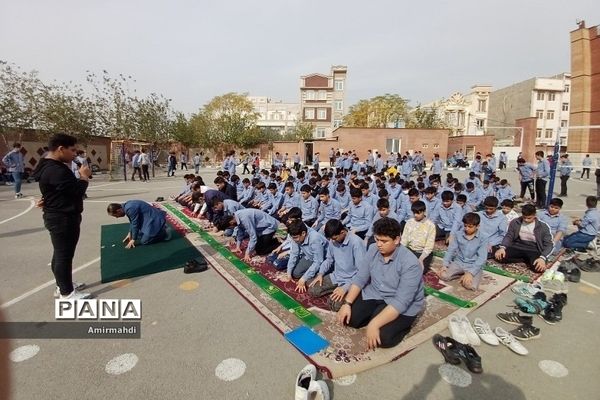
(464,114)
(585,81)
(276,115)
(547,99)
(322,100)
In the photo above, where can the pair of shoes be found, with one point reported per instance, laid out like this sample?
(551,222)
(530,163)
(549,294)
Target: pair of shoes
(484,331)
(526,332)
(307,386)
(534,305)
(75,295)
(572,275)
(514,318)
(76,286)
(19,195)
(554,281)
(526,289)
(507,339)
(553,313)
(194,265)
(454,351)
(590,265)
(462,331)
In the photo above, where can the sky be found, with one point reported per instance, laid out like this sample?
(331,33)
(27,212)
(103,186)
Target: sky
(193,50)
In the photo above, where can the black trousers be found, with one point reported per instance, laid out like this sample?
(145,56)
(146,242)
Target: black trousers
(502,165)
(540,192)
(521,253)
(245,169)
(139,172)
(563,184)
(265,244)
(585,171)
(392,333)
(64,233)
(440,233)
(183,165)
(145,172)
(525,186)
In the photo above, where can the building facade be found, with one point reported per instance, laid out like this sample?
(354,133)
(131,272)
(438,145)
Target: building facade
(464,115)
(322,100)
(546,99)
(276,115)
(585,82)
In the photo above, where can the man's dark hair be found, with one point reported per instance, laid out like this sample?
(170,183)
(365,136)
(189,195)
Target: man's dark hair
(296,228)
(591,201)
(447,195)
(223,222)
(528,210)
(355,192)
(458,187)
(294,213)
(288,185)
(333,227)
(16,145)
(471,218)
(470,185)
(556,202)
(462,198)
(490,201)
(413,192)
(219,179)
(61,139)
(113,207)
(324,191)
(272,186)
(387,227)
(507,203)
(430,190)
(383,203)
(418,206)
(305,189)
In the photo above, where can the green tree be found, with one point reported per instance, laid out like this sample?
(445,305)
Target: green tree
(154,122)
(377,112)
(425,118)
(300,131)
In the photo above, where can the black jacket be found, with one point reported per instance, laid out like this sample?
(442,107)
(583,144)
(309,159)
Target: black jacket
(61,191)
(541,231)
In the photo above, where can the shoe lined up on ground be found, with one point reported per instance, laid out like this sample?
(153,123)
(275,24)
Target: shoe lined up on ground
(484,331)
(526,332)
(462,331)
(553,313)
(454,352)
(535,305)
(514,318)
(527,289)
(572,275)
(590,265)
(509,341)
(308,387)
(194,265)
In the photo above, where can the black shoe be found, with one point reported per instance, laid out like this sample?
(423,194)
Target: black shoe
(448,347)
(560,298)
(470,357)
(193,266)
(553,313)
(590,265)
(526,332)
(159,199)
(514,318)
(573,274)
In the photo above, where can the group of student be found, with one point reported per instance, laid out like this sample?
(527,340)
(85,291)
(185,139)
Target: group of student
(334,216)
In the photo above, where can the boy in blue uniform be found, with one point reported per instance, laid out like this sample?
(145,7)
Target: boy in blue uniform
(555,221)
(147,224)
(588,226)
(387,292)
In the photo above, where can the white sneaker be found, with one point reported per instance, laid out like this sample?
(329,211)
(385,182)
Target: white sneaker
(76,295)
(468,330)
(304,379)
(547,275)
(456,330)
(76,286)
(18,195)
(318,390)
(485,332)
(509,341)
(558,276)
(526,289)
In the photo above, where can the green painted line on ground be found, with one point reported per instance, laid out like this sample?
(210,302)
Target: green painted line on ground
(493,269)
(448,298)
(277,294)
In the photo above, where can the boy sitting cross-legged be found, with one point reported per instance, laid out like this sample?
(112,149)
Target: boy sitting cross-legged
(387,292)
(419,235)
(335,275)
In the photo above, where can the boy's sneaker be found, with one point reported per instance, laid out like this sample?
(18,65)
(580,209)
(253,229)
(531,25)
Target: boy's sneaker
(526,289)
(18,195)
(76,295)
(547,275)
(558,276)
(509,341)
(485,332)
(194,266)
(456,330)
(572,275)
(76,286)
(553,313)
(472,337)
(526,332)
(318,390)
(556,286)
(532,306)
(514,318)
(590,265)
(307,375)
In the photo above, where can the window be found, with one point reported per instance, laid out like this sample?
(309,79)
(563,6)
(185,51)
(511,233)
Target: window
(538,133)
(309,113)
(310,95)
(392,145)
(322,95)
(567,88)
(550,115)
(548,133)
(339,85)
(539,114)
(479,123)
(337,122)
(481,105)
(565,107)
(436,146)
(276,116)
(551,96)
(425,145)
(339,105)
(564,123)
(320,132)
(321,113)
(540,95)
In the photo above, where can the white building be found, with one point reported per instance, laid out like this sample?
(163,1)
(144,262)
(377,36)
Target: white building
(275,114)
(464,114)
(547,99)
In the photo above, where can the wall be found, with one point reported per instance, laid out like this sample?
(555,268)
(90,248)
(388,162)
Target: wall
(527,144)
(480,143)
(507,105)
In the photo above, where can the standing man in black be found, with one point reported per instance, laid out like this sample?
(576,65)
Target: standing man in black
(541,176)
(62,203)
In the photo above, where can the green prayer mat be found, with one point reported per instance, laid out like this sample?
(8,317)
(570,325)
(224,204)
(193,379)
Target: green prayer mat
(117,262)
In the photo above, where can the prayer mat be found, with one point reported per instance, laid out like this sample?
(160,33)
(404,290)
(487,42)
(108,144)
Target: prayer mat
(346,353)
(117,262)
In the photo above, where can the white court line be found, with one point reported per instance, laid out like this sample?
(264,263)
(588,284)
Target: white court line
(106,184)
(31,205)
(44,286)
(589,284)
